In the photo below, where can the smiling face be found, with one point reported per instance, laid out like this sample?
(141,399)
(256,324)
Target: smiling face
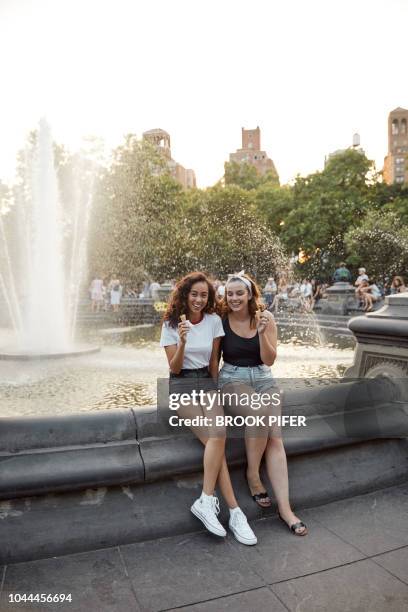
(198,297)
(237,296)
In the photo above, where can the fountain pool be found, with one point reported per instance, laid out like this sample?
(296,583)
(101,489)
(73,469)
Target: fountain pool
(124,374)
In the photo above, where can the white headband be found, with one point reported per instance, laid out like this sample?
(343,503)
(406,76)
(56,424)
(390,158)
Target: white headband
(240,277)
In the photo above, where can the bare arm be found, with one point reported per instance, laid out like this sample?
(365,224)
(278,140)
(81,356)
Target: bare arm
(268,338)
(215,358)
(175,352)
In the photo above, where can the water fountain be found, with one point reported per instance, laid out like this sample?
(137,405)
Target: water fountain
(42,298)
(80,426)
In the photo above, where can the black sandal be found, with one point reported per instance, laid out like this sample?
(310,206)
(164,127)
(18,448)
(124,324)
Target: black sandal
(260,499)
(295,526)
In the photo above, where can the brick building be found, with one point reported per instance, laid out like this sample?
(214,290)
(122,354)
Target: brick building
(396,162)
(251,152)
(161,140)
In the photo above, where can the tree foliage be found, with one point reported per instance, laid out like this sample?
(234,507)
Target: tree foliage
(380,244)
(227,235)
(246,176)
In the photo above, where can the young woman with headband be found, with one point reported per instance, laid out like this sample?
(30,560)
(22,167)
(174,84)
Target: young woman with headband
(191,335)
(248,350)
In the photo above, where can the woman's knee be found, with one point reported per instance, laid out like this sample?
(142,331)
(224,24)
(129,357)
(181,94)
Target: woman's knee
(275,442)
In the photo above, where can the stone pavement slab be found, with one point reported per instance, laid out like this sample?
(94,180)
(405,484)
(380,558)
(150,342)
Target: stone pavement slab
(281,555)
(373,523)
(396,562)
(359,587)
(262,600)
(97,581)
(183,570)
(333,569)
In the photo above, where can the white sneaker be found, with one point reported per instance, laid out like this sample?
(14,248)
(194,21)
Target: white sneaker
(206,509)
(239,526)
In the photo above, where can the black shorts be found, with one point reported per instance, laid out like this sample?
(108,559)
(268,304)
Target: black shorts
(188,380)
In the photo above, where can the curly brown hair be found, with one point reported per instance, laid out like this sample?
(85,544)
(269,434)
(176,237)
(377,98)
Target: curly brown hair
(178,303)
(254,303)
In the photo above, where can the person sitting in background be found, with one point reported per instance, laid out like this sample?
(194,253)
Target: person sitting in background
(362,276)
(398,285)
(317,289)
(362,290)
(306,293)
(371,293)
(387,286)
(281,296)
(269,291)
(342,274)
(294,290)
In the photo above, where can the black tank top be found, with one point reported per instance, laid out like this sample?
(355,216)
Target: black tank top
(240,351)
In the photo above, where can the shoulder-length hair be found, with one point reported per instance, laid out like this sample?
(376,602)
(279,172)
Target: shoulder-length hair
(254,302)
(178,302)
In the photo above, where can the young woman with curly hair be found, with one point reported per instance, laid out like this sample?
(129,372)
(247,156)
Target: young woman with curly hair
(192,347)
(248,350)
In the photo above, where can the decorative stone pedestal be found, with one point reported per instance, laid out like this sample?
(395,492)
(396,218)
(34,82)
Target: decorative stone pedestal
(164,291)
(382,340)
(340,299)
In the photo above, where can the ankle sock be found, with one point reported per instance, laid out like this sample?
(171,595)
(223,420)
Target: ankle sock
(233,510)
(204,496)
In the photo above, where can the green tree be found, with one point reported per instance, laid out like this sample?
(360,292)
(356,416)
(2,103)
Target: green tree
(227,235)
(274,204)
(324,206)
(137,217)
(327,203)
(380,244)
(246,176)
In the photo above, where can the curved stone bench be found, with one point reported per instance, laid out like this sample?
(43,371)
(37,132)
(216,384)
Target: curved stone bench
(112,447)
(93,480)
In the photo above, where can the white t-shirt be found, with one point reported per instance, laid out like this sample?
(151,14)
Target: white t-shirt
(375,290)
(361,278)
(306,289)
(197,351)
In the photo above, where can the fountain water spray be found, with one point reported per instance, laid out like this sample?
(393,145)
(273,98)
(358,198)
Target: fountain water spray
(43,301)
(45,318)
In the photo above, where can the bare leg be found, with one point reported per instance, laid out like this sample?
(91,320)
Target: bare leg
(255,448)
(277,468)
(213,458)
(215,465)
(255,437)
(224,483)
(369,301)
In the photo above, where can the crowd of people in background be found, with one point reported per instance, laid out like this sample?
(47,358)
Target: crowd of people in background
(107,293)
(305,294)
(369,290)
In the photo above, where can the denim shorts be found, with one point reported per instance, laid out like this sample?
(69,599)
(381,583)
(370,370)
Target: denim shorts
(258,377)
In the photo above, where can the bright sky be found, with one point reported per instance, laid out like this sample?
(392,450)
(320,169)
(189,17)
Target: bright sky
(309,72)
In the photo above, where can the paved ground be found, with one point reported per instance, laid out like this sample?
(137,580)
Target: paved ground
(355,558)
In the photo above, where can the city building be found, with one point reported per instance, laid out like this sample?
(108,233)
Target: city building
(396,162)
(251,152)
(161,140)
